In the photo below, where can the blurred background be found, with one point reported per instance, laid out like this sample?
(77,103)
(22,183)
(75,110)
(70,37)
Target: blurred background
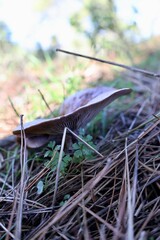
(30,31)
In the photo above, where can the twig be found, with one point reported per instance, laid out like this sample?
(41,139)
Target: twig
(7,231)
(59,165)
(141,135)
(133,69)
(73,202)
(61,155)
(108,225)
(85,143)
(149,217)
(18,230)
(12,105)
(85,224)
(43,98)
(135,178)
(130,223)
(151,119)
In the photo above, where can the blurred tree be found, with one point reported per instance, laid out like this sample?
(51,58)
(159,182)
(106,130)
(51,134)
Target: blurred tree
(99,22)
(50,52)
(4,32)
(5,37)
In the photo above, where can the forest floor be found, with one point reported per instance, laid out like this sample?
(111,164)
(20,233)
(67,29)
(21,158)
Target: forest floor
(115,196)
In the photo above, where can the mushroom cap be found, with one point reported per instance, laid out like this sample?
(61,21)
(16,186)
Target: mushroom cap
(74,120)
(81,98)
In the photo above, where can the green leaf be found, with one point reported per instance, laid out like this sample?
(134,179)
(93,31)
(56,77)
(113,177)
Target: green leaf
(88,138)
(67,196)
(81,132)
(48,153)
(67,159)
(58,147)
(75,146)
(78,154)
(86,151)
(46,164)
(51,144)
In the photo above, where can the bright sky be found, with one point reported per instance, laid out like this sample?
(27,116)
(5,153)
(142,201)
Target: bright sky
(147,18)
(29,27)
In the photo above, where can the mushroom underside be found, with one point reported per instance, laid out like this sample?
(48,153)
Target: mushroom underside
(41,131)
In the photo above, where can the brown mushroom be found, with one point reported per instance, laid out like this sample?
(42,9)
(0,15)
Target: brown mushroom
(41,131)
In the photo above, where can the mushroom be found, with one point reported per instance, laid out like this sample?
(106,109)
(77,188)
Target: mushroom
(78,110)
(81,98)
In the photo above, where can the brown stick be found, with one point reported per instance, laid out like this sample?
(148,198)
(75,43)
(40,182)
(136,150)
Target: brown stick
(43,98)
(133,69)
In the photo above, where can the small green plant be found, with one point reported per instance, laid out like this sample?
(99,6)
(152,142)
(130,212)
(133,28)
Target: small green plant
(72,84)
(53,153)
(80,152)
(65,199)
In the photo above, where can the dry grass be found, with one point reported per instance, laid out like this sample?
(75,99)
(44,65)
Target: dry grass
(115,197)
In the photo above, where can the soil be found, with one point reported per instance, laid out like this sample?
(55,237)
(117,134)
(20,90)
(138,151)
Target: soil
(12,87)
